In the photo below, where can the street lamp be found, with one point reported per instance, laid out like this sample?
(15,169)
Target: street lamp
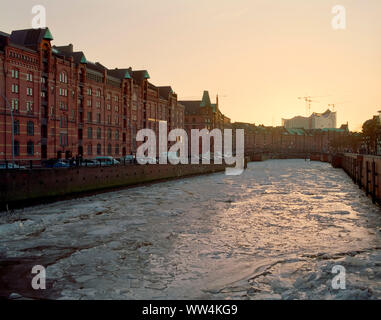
(13,138)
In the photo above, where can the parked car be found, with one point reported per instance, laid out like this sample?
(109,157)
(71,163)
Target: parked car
(106,161)
(11,166)
(128,159)
(146,160)
(89,163)
(61,164)
(56,163)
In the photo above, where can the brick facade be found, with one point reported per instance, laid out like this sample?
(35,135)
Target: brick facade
(64,105)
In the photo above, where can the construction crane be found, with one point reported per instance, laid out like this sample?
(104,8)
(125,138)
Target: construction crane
(308,101)
(333,105)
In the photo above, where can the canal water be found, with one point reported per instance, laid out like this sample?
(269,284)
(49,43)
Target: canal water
(275,232)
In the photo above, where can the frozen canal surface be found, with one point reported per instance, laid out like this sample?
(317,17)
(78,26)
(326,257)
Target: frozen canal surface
(274,232)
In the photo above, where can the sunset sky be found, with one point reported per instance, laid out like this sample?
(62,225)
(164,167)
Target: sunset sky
(258,55)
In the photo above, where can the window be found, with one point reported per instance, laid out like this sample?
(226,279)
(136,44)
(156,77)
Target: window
(63,122)
(30,148)
(15,105)
(63,105)
(109,119)
(30,128)
(63,77)
(89,103)
(16,148)
(89,133)
(89,91)
(109,149)
(98,104)
(99,133)
(99,149)
(29,76)
(15,73)
(89,117)
(29,106)
(29,91)
(117,135)
(98,118)
(16,127)
(117,149)
(90,149)
(15,88)
(63,92)
(63,139)
(109,134)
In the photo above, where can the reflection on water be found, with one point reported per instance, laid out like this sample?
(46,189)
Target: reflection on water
(274,232)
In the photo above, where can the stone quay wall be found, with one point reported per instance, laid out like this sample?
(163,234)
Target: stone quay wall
(25,185)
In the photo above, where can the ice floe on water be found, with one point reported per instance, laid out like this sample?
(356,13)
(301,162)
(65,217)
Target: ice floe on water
(275,232)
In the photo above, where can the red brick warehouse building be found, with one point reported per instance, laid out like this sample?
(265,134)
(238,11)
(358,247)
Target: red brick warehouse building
(203,114)
(64,105)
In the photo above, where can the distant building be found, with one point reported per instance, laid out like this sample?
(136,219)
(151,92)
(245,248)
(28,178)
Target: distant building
(203,114)
(325,120)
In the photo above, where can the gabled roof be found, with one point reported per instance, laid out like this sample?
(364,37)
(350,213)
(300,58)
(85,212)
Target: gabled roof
(191,107)
(67,49)
(96,66)
(67,52)
(139,75)
(78,57)
(165,91)
(120,73)
(30,38)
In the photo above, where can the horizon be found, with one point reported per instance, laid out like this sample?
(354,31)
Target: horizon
(336,66)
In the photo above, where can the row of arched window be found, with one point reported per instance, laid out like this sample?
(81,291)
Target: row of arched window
(99,133)
(29,148)
(99,149)
(29,128)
